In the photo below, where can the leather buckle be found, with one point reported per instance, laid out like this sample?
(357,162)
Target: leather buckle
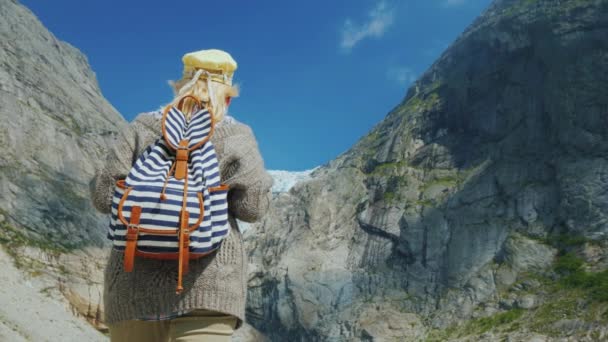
(132,231)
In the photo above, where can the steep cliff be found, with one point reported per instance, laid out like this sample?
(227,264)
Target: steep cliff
(54,128)
(491,173)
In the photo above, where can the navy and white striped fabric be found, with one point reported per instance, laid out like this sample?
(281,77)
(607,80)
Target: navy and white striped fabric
(145,182)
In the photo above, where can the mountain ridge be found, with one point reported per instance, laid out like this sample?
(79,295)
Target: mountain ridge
(493,159)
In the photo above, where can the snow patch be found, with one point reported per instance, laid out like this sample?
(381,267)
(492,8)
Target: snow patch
(283,181)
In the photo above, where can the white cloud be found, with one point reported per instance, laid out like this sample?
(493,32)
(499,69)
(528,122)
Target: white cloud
(405,75)
(401,75)
(380,18)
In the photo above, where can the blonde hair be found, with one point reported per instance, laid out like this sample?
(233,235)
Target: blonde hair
(220,92)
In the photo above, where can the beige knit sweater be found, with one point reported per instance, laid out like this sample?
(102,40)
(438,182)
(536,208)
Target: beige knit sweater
(217,282)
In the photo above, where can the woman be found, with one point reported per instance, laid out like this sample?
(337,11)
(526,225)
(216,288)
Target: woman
(142,305)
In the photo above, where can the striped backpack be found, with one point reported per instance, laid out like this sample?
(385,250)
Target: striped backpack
(172,204)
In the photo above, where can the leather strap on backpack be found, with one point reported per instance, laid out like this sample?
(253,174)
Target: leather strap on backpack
(184,235)
(132,233)
(185,243)
(181,160)
(184,250)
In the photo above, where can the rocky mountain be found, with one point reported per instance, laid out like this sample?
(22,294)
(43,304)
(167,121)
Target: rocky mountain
(54,122)
(476,210)
(54,126)
(284,180)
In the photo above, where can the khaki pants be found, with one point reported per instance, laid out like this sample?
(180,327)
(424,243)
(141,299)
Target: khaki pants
(196,326)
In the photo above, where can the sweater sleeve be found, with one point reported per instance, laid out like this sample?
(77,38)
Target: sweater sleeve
(250,184)
(130,142)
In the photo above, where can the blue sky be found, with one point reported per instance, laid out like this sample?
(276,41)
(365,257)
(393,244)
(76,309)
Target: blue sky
(315,75)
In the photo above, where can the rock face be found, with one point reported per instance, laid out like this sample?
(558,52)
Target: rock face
(33,311)
(54,126)
(501,144)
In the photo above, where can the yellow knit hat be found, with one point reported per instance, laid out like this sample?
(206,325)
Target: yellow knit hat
(218,64)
